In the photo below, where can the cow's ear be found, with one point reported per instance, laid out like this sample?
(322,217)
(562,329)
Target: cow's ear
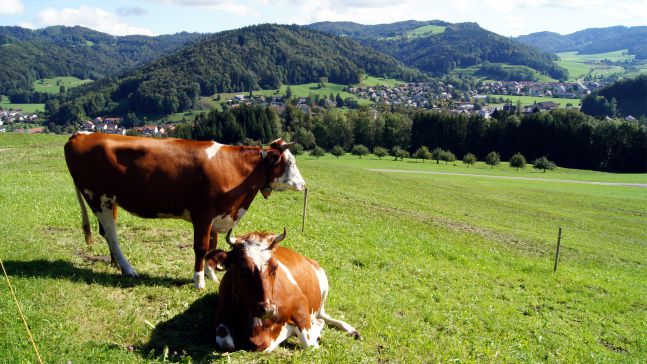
(217,259)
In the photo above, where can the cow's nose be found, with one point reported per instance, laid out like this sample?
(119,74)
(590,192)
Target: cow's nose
(267,310)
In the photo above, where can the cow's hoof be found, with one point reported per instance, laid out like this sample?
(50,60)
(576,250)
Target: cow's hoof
(130,273)
(356,335)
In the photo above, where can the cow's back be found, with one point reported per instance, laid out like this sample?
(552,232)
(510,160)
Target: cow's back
(304,272)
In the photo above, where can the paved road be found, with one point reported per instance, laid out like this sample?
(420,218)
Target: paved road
(624,184)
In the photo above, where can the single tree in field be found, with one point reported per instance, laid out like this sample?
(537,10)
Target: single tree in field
(337,151)
(447,156)
(288,93)
(469,159)
(436,153)
(380,152)
(317,152)
(544,164)
(493,159)
(401,153)
(518,161)
(359,150)
(394,152)
(422,153)
(297,149)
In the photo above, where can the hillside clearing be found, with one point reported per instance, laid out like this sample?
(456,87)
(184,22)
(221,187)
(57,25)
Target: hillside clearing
(53,85)
(427,267)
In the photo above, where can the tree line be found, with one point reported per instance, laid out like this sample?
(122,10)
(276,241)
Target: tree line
(566,137)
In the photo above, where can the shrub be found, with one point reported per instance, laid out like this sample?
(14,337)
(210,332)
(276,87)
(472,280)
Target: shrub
(297,149)
(493,159)
(447,156)
(337,151)
(469,159)
(401,153)
(518,161)
(380,152)
(422,153)
(543,163)
(317,152)
(359,150)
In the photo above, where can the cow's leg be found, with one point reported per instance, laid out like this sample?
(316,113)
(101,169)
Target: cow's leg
(201,229)
(106,217)
(286,332)
(213,243)
(341,325)
(308,327)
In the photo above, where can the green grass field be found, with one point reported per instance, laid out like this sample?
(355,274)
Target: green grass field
(579,65)
(614,56)
(5,104)
(528,100)
(53,85)
(474,71)
(429,268)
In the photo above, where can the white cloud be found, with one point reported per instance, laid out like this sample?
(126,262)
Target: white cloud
(11,7)
(95,18)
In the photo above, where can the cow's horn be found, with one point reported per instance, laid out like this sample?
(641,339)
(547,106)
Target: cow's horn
(279,238)
(229,239)
(285,146)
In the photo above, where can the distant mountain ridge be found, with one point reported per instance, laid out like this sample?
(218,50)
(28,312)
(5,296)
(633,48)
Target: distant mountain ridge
(592,40)
(28,55)
(456,45)
(250,58)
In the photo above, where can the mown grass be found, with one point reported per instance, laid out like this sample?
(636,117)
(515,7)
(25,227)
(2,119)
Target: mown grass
(529,100)
(53,85)
(429,268)
(6,104)
(620,55)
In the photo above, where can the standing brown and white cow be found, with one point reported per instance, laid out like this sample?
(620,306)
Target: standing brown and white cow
(206,183)
(268,294)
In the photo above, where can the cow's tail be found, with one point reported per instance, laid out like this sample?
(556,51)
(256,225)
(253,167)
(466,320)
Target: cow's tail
(85,221)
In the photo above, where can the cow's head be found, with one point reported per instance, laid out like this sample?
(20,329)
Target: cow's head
(282,173)
(251,269)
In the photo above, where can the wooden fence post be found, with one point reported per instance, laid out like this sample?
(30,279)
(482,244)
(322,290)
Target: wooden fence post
(559,239)
(305,207)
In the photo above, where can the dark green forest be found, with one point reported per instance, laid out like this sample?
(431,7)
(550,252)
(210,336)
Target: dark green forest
(250,58)
(567,137)
(460,45)
(622,98)
(592,40)
(28,55)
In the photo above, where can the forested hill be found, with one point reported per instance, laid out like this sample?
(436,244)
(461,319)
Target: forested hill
(592,40)
(262,56)
(439,47)
(622,98)
(28,55)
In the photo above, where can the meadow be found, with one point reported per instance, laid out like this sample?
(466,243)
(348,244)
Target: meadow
(429,268)
(529,100)
(53,85)
(5,103)
(580,65)
(475,71)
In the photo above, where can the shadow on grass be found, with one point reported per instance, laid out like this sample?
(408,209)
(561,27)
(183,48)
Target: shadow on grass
(190,333)
(60,269)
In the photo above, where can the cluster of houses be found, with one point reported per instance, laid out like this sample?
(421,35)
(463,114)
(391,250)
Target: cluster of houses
(570,90)
(113,125)
(15,116)
(417,94)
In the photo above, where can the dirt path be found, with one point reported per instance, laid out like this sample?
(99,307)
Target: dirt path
(624,184)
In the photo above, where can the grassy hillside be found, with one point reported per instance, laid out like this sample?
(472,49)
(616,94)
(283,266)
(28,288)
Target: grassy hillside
(53,85)
(480,74)
(428,267)
(6,104)
(580,65)
(528,100)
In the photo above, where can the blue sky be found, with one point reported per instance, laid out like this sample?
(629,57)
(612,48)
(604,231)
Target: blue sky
(154,17)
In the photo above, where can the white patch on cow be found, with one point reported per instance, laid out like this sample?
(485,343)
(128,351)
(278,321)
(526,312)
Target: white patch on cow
(198,279)
(323,283)
(210,273)
(310,337)
(287,273)
(106,219)
(225,222)
(256,321)
(259,254)
(291,178)
(213,150)
(226,343)
(89,193)
(186,215)
(286,332)
(84,132)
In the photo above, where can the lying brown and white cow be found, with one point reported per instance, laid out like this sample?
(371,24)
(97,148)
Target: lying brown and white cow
(206,183)
(268,294)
